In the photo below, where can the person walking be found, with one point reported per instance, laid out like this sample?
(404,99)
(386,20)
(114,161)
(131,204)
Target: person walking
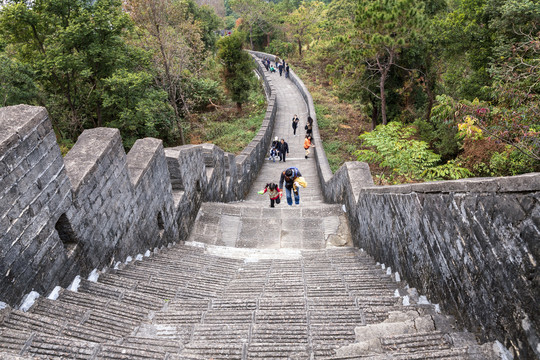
(280,68)
(295,121)
(274,193)
(289,177)
(309,126)
(308,144)
(283,149)
(287,69)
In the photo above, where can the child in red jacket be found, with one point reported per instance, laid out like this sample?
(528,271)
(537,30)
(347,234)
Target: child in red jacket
(274,192)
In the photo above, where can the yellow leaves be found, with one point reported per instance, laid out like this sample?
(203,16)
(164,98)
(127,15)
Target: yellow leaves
(469,130)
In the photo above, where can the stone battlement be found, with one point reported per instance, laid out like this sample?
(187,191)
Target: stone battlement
(60,217)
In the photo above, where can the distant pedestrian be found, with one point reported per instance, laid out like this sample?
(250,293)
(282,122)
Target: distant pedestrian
(289,177)
(309,126)
(283,149)
(295,121)
(280,68)
(308,144)
(274,193)
(266,63)
(287,69)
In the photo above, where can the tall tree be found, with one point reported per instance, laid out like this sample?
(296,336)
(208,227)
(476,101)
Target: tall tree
(385,28)
(73,47)
(255,14)
(237,67)
(175,39)
(304,20)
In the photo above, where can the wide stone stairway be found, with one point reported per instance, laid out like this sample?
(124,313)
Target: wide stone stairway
(251,282)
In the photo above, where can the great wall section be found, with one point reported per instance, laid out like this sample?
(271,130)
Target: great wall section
(170,253)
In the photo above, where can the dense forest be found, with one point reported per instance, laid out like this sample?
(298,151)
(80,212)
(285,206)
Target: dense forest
(422,90)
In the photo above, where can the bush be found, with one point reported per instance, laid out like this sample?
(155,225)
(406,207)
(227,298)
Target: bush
(511,162)
(281,48)
(393,148)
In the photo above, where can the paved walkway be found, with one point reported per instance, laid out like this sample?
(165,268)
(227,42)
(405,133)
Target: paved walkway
(289,102)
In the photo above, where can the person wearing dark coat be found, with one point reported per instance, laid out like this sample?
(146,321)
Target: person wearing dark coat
(295,121)
(283,150)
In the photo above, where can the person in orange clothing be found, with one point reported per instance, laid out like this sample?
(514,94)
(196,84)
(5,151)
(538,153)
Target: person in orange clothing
(308,144)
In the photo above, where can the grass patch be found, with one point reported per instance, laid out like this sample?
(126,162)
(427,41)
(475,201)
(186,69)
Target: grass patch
(229,129)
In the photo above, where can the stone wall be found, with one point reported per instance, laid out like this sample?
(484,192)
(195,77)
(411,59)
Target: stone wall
(60,217)
(471,245)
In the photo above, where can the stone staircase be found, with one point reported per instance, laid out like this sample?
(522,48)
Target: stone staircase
(196,301)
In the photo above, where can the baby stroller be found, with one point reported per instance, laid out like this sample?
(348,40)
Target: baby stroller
(274,150)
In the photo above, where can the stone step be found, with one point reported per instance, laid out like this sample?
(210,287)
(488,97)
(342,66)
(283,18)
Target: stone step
(100,319)
(130,351)
(413,342)
(221,333)
(41,346)
(228,317)
(282,333)
(179,317)
(284,316)
(272,350)
(212,350)
(29,322)
(125,296)
(92,302)
(154,344)
(251,225)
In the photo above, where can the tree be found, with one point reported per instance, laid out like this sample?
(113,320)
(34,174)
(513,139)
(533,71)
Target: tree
(174,38)
(254,14)
(74,47)
(237,67)
(16,82)
(385,28)
(304,20)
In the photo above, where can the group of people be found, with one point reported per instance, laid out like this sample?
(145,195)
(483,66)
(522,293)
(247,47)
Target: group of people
(280,66)
(278,148)
(291,178)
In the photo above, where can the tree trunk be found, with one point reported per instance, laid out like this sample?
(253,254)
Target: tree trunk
(383,99)
(299,48)
(374,115)
(384,68)
(98,114)
(251,37)
(239,106)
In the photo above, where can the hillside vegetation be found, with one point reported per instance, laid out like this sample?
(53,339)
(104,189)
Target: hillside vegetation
(422,90)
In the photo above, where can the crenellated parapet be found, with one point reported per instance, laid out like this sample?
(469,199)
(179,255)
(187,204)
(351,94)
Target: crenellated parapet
(97,206)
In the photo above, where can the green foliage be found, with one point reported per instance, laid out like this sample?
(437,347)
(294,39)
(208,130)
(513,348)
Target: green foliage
(237,67)
(280,48)
(452,170)
(235,134)
(391,146)
(140,110)
(512,162)
(16,82)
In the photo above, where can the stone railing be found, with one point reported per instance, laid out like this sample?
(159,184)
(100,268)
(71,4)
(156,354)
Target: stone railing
(471,245)
(60,217)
